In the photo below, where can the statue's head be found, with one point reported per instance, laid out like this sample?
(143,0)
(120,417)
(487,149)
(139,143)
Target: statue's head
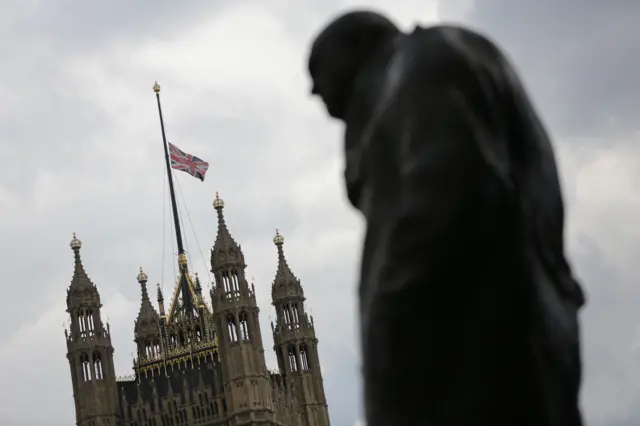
(341,50)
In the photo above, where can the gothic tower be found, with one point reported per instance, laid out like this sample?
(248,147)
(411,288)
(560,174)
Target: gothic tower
(147,327)
(296,344)
(90,352)
(247,387)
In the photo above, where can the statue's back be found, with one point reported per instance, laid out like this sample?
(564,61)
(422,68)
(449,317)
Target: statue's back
(470,266)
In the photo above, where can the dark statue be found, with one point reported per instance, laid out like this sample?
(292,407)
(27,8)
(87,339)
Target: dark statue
(468,307)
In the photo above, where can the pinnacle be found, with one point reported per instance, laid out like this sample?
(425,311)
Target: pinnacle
(224,240)
(160,296)
(225,249)
(284,272)
(147,311)
(147,316)
(284,276)
(80,280)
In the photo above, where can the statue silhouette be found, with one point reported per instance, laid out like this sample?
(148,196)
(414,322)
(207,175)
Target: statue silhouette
(468,307)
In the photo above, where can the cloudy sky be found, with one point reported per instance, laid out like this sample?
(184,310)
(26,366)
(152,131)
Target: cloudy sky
(76,106)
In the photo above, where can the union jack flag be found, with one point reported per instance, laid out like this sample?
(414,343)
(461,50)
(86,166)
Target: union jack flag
(187,162)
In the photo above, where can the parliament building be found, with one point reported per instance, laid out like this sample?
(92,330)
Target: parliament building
(199,364)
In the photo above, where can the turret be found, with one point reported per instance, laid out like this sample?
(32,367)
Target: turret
(236,315)
(89,351)
(147,331)
(295,342)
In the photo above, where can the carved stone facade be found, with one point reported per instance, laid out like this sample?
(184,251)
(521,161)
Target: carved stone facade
(199,365)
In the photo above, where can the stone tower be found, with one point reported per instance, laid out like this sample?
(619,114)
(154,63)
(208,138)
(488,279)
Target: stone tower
(296,344)
(236,316)
(90,352)
(147,334)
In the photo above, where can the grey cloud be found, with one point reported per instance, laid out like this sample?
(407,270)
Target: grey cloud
(86,26)
(580,59)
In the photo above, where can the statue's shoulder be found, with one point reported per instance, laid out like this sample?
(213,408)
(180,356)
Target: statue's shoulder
(448,33)
(437,56)
(426,60)
(451,43)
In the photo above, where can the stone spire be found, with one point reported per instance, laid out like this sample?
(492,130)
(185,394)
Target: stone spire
(147,316)
(160,300)
(198,291)
(81,288)
(89,350)
(147,326)
(285,284)
(225,250)
(296,344)
(236,318)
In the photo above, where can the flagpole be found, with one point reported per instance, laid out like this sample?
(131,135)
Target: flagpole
(182,258)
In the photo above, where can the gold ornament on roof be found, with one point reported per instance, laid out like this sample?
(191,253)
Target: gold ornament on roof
(142,277)
(278,239)
(75,243)
(218,203)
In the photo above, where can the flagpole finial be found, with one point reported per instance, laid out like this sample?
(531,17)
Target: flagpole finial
(156,88)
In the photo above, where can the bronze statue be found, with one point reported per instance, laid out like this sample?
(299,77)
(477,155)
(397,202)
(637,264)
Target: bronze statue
(468,307)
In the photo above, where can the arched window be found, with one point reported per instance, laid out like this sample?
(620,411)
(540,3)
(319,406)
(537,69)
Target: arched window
(304,356)
(233,329)
(293,360)
(81,323)
(296,316)
(280,358)
(244,327)
(86,367)
(97,366)
(85,320)
(286,313)
(226,283)
(235,284)
(90,325)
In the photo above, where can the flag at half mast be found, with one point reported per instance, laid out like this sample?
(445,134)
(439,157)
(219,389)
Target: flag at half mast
(191,164)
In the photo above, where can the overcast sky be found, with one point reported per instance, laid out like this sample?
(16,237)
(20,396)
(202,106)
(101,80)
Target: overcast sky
(82,152)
